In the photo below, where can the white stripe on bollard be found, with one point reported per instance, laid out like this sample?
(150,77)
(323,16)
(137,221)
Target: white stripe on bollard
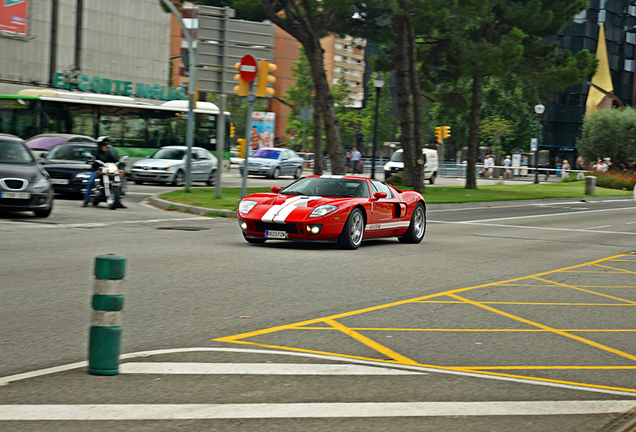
(109,287)
(107,319)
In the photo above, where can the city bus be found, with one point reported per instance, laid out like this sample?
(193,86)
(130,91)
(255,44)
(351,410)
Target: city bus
(136,128)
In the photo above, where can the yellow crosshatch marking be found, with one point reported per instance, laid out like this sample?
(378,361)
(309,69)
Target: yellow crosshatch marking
(460,297)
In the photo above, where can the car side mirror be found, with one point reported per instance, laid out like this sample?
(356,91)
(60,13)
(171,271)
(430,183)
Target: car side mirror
(276,189)
(379,195)
(42,155)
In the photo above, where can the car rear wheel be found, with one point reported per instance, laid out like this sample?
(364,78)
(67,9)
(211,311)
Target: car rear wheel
(212,178)
(353,231)
(253,240)
(298,173)
(179,179)
(432,179)
(276,173)
(417,228)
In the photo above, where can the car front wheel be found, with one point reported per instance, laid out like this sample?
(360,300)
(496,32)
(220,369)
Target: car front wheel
(353,231)
(276,173)
(212,178)
(179,179)
(417,227)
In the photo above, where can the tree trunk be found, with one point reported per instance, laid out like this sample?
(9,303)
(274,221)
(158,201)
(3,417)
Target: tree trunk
(418,133)
(299,20)
(319,159)
(405,107)
(324,99)
(473,132)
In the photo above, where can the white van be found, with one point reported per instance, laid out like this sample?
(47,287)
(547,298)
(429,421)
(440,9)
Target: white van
(396,164)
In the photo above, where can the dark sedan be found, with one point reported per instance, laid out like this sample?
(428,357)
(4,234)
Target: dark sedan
(68,167)
(24,185)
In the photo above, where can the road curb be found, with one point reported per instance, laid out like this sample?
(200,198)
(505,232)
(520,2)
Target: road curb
(517,203)
(164,204)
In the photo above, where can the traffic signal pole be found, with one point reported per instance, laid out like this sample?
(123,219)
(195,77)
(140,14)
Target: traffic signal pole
(250,109)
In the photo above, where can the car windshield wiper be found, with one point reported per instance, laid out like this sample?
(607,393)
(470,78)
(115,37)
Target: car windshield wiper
(292,193)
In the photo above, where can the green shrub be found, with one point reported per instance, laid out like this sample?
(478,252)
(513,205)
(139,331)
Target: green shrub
(624,180)
(396,179)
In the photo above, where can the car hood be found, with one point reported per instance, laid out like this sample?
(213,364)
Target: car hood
(156,163)
(60,165)
(277,208)
(30,172)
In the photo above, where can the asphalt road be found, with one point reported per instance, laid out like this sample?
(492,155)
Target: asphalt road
(503,318)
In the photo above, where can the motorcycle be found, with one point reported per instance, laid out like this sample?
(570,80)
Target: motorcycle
(110,184)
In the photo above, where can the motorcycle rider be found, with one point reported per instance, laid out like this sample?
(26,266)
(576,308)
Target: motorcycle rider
(105,154)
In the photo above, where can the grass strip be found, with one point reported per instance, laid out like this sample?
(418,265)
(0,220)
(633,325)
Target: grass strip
(230,197)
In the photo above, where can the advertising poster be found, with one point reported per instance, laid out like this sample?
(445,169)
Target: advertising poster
(262,129)
(14,16)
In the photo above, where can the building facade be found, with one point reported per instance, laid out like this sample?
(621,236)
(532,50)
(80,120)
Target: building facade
(564,114)
(102,41)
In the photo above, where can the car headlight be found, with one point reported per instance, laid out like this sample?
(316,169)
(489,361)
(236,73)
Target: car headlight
(245,206)
(167,169)
(41,184)
(82,175)
(266,165)
(323,210)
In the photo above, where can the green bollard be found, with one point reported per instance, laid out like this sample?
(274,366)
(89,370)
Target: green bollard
(108,302)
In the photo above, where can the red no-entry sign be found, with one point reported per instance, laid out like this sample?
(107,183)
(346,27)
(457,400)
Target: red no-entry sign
(248,68)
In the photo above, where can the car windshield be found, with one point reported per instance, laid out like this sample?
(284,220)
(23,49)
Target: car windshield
(397,157)
(70,152)
(328,187)
(168,153)
(15,153)
(266,153)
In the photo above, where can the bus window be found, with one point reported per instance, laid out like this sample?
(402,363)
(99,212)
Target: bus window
(134,131)
(112,127)
(82,120)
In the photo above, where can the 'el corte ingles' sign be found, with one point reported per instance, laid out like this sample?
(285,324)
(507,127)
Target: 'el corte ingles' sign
(122,88)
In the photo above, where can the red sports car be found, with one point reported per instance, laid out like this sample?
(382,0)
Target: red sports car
(342,208)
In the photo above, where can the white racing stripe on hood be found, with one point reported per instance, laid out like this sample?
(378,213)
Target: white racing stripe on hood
(273,214)
(289,207)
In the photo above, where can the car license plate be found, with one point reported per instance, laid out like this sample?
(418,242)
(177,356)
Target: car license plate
(59,181)
(17,195)
(275,234)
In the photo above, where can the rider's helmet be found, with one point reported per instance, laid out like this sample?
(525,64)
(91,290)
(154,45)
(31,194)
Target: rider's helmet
(103,141)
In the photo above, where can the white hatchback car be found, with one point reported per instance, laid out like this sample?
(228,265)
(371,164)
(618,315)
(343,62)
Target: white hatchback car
(168,165)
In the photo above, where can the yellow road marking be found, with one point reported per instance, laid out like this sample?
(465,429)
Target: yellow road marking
(590,292)
(401,329)
(371,343)
(399,359)
(530,303)
(613,268)
(550,367)
(545,327)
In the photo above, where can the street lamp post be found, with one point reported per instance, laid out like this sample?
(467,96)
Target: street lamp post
(378,82)
(539,109)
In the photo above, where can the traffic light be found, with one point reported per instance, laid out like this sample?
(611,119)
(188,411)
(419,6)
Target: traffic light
(446,131)
(264,78)
(242,88)
(232,130)
(439,134)
(242,143)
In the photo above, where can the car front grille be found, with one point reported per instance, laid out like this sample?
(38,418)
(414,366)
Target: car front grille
(263,226)
(15,202)
(60,175)
(13,183)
